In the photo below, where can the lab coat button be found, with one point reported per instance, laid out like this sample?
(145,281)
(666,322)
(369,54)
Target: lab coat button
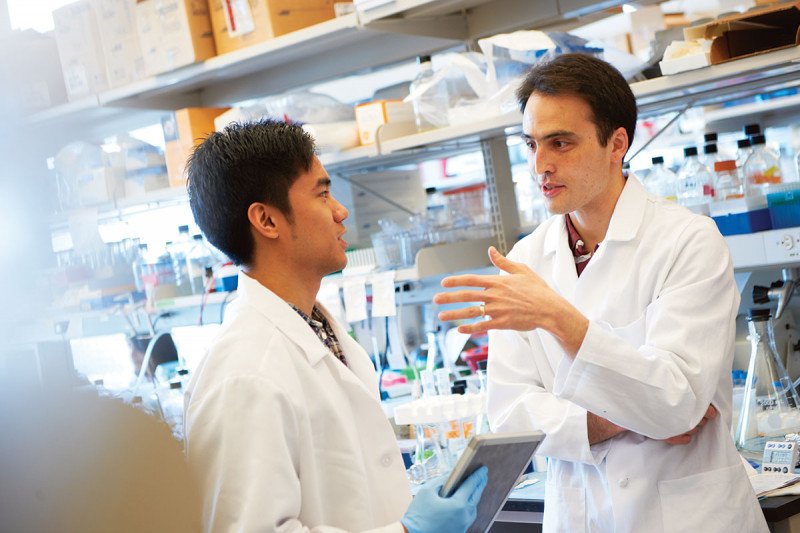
(623,482)
(386,460)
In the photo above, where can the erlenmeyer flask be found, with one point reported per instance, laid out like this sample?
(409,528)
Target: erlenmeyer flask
(770,404)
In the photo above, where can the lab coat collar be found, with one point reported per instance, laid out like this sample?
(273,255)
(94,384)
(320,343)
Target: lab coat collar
(623,226)
(280,313)
(629,211)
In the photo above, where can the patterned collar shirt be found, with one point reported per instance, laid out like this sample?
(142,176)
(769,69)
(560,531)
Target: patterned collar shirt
(581,254)
(323,329)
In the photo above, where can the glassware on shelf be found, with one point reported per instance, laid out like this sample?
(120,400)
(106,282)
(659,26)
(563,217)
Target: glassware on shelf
(770,403)
(762,167)
(429,97)
(693,179)
(661,181)
(728,185)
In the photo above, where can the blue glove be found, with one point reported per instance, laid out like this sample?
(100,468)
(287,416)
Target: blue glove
(431,513)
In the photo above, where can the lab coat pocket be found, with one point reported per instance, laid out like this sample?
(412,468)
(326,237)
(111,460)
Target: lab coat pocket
(564,509)
(721,501)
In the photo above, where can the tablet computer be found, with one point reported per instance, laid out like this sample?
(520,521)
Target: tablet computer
(507,455)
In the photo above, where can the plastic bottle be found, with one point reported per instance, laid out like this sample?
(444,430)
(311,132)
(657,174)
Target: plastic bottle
(710,156)
(728,185)
(138,265)
(432,102)
(762,167)
(693,177)
(179,250)
(661,181)
(198,259)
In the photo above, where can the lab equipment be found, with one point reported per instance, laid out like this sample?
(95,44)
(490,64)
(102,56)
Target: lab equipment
(779,456)
(770,402)
(429,511)
(198,259)
(728,185)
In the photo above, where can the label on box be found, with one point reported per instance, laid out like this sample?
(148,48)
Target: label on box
(76,79)
(170,127)
(239,17)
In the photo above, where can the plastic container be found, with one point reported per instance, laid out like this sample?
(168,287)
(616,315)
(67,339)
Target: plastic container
(198,259)
(728,186)
(694,180)
(661,181)
(762,168)
(783,202)
(741,215)
(469,205)
(431,103)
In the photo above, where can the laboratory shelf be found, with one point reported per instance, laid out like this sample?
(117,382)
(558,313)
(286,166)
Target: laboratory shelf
(125,206)
(717,83)
(329,49)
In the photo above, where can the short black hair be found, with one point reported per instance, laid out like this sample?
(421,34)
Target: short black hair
(244,164)
(592,80)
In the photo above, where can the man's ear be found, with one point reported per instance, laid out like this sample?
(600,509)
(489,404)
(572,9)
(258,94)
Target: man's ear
(263,220)
(619,144)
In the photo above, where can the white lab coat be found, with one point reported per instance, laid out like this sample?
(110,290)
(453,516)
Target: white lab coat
(284,437)
(661,300)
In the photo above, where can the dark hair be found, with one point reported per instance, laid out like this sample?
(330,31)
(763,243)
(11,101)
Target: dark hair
(245,163)
(591,79)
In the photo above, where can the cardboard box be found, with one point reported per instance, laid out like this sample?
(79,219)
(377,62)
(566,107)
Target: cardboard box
(373,115)
(80,49)
(750,33)
(118,34)
(183,130)
(173,33)
(241,23)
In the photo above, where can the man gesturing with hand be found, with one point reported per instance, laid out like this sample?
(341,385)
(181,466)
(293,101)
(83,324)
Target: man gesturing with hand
(611,327)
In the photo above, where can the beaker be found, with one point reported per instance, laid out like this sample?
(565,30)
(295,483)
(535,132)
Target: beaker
(770,403)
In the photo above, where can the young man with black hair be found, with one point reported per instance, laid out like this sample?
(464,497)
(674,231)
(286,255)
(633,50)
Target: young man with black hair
(284,427)
(612,327)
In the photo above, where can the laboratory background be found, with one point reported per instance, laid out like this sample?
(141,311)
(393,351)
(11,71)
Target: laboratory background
(108,285)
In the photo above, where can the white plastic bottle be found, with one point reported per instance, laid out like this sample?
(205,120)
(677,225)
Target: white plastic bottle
(430,100)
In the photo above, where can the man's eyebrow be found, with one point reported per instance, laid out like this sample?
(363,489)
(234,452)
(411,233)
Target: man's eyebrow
(323,182)
(552,134)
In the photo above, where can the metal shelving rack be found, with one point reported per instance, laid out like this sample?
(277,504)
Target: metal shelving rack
(397,30)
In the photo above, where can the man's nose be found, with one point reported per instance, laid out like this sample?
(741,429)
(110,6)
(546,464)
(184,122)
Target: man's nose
(340,212)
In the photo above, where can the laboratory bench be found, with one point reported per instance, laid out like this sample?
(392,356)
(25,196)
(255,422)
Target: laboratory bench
(524,509)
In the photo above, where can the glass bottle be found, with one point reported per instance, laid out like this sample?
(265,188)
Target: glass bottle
(728,185)
(180,249)
(762,167)
(431,101)
(661,181)
(692,179)
(770,402)
(199,258)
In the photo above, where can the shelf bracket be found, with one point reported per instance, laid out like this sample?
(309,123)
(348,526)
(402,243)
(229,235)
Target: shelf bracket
(662,130)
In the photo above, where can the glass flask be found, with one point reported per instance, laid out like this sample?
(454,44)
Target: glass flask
(770,402)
